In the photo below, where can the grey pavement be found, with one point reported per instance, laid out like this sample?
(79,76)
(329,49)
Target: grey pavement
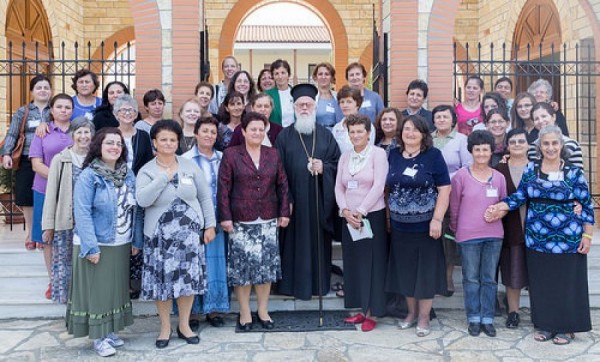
(32,328)
(47,340)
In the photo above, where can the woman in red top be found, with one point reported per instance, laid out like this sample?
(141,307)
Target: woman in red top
(252,200)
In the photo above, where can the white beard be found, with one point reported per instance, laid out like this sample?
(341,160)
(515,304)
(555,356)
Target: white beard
(305,124)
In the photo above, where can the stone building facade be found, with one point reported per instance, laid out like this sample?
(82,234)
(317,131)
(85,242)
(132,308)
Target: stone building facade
(166,34)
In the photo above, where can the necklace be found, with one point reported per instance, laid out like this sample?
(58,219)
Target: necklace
(188,145)
(312,153)
(412,154)
(167,167)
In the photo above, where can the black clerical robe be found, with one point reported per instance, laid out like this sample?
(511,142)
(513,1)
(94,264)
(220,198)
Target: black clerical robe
(298,242)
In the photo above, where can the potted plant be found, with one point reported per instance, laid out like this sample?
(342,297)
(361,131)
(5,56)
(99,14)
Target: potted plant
(7,205)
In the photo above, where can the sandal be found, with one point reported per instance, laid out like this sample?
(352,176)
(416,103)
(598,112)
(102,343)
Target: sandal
(337,286)
(562,339)
(543,336)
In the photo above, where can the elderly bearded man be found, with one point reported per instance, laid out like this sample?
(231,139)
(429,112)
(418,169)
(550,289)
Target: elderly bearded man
(308,151)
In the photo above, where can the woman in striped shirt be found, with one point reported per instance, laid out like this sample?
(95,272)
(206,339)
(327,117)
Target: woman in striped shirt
(543,115)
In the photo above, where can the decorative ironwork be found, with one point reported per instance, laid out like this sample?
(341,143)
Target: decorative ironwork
(21,62)
(571,69)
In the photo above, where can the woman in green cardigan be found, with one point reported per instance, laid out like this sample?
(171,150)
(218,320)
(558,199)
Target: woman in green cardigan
(283,105)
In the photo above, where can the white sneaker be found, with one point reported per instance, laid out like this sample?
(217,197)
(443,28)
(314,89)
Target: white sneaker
(103,348)
(114,340)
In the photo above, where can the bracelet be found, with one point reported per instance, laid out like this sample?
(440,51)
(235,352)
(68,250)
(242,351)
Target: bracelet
(438,220)
(588,236)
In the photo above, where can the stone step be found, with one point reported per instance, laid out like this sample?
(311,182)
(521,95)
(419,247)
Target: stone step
(24,278)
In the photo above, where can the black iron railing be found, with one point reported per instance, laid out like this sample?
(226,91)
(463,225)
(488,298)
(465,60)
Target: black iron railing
(572,70)
(23,61)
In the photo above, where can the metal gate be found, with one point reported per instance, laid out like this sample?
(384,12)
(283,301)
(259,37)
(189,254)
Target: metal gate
(572,70)
(22,62)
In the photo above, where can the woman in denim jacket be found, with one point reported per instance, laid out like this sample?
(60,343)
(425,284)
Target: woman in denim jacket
(107,223)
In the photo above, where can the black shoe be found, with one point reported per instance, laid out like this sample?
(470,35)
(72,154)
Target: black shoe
(448,293)
(216,321)
(268,324)
(474,329)
(489,330)
(513,320)
(194,324)
(134,294)
(246,327)
(189,340)
(163,343)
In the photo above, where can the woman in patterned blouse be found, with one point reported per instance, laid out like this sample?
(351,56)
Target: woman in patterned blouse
(557,239)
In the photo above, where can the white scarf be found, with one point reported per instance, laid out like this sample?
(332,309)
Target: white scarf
(358,160)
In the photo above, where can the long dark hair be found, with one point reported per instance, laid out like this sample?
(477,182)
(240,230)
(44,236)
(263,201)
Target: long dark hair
(421,125)
(251,90)
(96,146)
(518,122)
(105,92)
(224,115)
(379,136)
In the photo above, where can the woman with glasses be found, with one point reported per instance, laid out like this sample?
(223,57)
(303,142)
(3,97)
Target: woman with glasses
(521,115)
(137,142)
(106,233)
(513,266)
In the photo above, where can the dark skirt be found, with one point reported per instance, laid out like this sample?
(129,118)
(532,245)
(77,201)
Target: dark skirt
(451,251)
(416,267)
(365,267)
(513,266)
(24,183)
(99,295)
(558,290)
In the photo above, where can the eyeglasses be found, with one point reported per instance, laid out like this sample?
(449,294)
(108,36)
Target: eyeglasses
(127,111)
(519,141)
(304,105)
(524,106)
(113,143)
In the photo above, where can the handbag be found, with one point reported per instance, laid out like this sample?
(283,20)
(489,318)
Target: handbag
(20,143)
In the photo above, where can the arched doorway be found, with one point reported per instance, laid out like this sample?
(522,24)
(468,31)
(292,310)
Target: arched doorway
(324,9)
(537,44)
(28,31)
(303,40)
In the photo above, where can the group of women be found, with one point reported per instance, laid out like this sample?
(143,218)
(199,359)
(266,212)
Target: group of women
(135,202)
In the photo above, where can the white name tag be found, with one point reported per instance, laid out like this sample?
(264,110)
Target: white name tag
(556,176)
(34,123)
(492,192)
(329,109)
(366,104)
(410,172)
(187,180)
(352,184)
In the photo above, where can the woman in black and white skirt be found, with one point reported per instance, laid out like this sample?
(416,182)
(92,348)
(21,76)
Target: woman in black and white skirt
(253,201)
(179,220)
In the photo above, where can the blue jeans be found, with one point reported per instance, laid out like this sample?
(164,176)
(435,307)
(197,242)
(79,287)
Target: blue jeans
(479,263)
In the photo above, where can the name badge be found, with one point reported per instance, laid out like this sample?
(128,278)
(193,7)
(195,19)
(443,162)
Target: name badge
(366,104)
(352,184)
(329,109)
(492,192)
(187,180)
(34,123)
(556,176)
(410,172)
